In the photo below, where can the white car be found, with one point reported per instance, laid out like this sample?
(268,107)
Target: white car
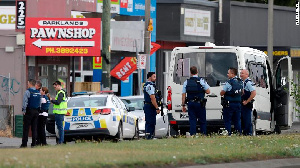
(162,124)
(99,116)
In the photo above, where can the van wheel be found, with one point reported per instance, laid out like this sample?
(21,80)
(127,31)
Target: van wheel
(172,131)
(119,136)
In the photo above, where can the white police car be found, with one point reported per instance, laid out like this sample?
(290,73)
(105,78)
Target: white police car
(99,116)
(162,124)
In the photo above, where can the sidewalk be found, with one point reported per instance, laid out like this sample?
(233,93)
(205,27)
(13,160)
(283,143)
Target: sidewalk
(274,163)
(16,142)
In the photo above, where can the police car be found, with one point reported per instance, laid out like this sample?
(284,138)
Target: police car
(162,124)
(99,116)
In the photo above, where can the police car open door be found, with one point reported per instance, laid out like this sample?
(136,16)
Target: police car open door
(283,100)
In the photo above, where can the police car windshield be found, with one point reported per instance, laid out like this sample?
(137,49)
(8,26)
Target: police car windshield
(211,65)
(87,102)
(138,104)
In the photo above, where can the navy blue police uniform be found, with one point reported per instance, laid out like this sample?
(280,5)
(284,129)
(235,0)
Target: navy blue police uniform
(42,119)
(232,111)
(31,105)
(247,109)
(195,88)
(149,109)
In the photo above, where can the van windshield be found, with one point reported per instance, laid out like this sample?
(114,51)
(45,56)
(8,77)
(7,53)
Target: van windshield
(213,66)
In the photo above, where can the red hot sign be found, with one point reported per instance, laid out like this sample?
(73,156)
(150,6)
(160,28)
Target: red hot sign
(62,36)
(124,68)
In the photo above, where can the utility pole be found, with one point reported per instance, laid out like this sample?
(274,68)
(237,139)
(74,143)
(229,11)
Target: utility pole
(147,37)
(106,15)
(270,33)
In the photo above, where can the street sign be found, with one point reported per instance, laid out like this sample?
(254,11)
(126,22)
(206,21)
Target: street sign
(142,61)
(97,62)
(62,36)
(20,15)
(154,47)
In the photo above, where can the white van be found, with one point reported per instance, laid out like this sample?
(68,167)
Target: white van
(273,104)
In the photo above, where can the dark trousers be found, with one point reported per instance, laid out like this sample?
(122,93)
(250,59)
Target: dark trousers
(246,120)
(150,117)
(232,114)
(30,119)
(41,136)
(197,112)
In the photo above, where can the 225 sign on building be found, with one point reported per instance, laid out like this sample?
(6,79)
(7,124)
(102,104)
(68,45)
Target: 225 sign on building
(62,36)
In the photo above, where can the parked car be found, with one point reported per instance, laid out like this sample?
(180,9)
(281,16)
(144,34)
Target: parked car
(162,124)
(99,116)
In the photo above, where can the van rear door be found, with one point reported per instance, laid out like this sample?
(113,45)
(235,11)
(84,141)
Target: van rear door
(283,99)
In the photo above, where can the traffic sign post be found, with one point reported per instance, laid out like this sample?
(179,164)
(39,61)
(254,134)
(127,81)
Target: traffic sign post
(142,61)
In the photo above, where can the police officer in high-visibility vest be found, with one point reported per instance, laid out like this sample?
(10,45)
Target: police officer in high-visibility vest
(247,102)
(193,93)
(150,105)
(232,91)
(59,109)
(30,109)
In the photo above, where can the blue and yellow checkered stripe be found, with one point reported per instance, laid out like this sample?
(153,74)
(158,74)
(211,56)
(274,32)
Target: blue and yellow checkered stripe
(101,123)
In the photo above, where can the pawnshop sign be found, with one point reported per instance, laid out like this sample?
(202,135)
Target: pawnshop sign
(62,36)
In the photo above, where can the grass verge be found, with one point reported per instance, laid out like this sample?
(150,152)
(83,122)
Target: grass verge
(155,153)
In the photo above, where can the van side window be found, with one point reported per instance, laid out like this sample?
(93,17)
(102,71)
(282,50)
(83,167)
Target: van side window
(258,74)
(178,77)
(213,66)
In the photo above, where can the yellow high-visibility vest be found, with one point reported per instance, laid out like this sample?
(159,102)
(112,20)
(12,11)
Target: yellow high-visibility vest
(62,107)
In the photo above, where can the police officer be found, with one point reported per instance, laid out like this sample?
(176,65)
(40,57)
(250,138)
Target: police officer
(247,104)
(43,115)
(195,88)
(232,91)
(59,109)
(31,105)
(150,105)
(38,85)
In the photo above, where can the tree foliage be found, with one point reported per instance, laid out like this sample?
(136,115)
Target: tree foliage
(296,94)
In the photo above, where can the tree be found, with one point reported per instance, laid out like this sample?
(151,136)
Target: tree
(296,94)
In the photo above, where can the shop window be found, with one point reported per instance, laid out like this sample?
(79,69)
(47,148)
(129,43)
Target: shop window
(88,78)
(77,61)
(87,63)
(43,70)
(62,70)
